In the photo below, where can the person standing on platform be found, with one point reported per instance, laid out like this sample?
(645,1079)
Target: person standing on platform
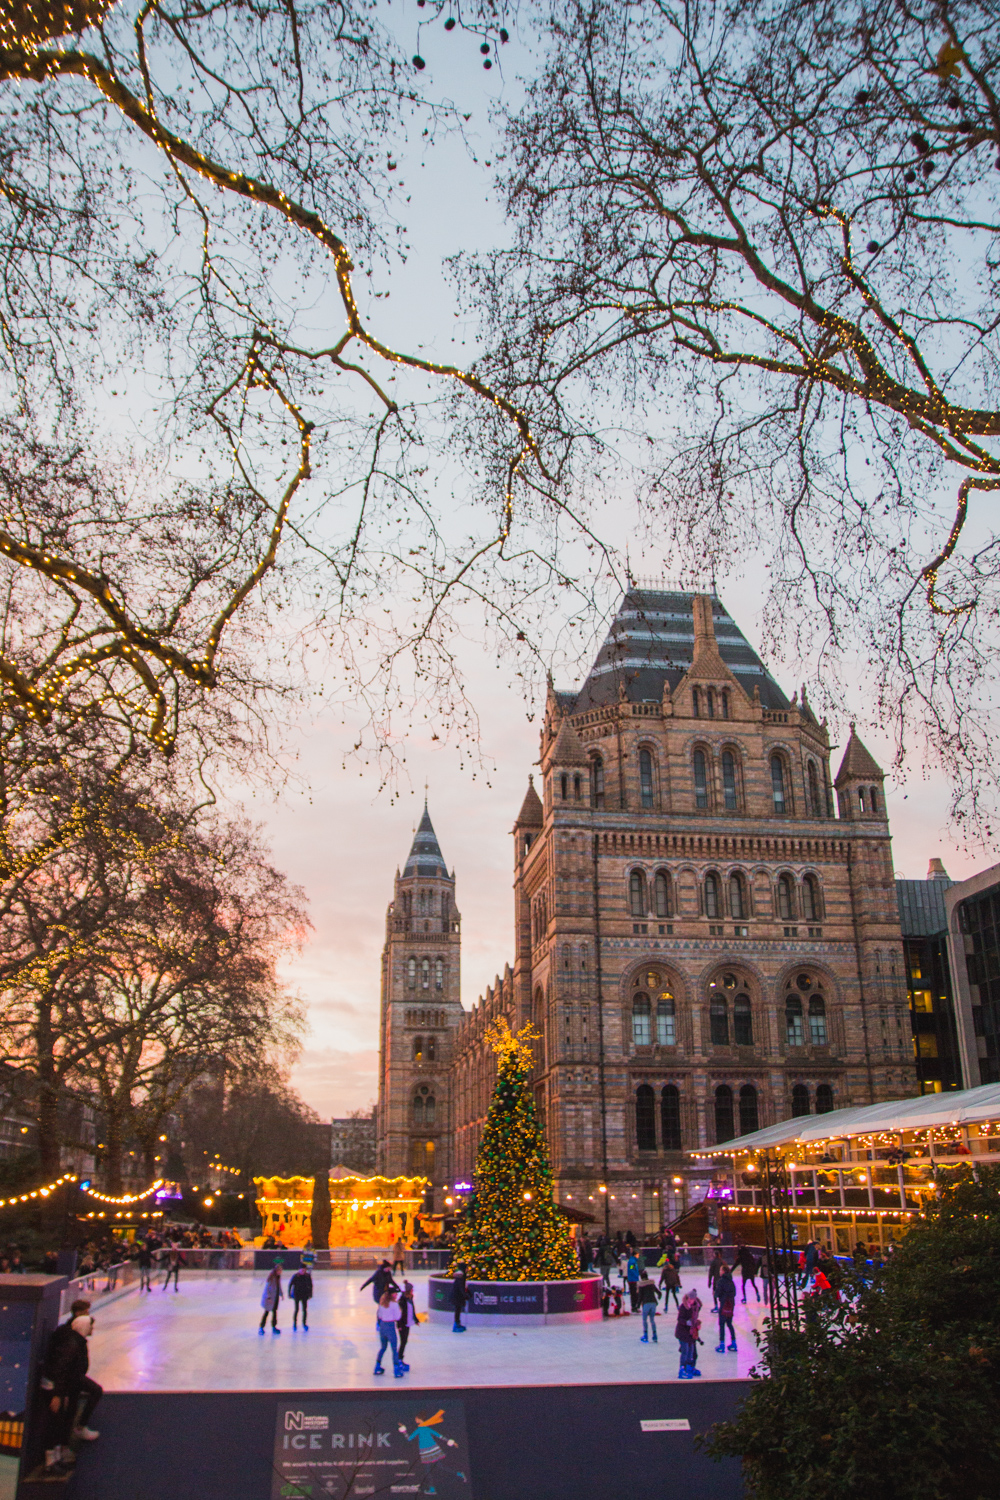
(648,1298)
(389,1316)
(271,1296)
(408,1316)
(399,1254)
(686,1334)
(459,1297)
(64,1380)
(605,1260)
(725,1291)
(300,1289)
(145,1259)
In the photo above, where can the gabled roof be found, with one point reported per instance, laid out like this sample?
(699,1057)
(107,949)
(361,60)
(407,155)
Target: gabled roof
(857,764)
(531,814)
(568,748)
(425,857)
(651,646)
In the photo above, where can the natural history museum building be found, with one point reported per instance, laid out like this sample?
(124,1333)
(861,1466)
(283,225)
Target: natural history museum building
(706,933)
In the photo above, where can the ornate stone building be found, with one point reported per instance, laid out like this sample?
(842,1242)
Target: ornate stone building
(703,942)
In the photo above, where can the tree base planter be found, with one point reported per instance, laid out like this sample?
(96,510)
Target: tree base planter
(517,1304)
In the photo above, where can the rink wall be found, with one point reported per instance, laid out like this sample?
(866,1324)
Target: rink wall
(524,1442)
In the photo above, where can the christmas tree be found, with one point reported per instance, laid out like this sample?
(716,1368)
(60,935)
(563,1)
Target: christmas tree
(511,1229)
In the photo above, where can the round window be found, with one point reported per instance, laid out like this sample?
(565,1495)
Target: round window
(804,982)
(729,980)
(653,979)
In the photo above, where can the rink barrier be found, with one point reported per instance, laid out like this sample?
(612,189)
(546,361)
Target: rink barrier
(524,1442)
(517,1304)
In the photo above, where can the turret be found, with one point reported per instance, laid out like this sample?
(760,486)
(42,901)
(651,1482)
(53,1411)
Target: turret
(859,783)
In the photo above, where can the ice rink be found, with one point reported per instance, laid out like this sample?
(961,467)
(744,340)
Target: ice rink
(205,1337)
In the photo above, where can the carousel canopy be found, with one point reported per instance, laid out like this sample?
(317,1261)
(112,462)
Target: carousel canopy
(928,1111)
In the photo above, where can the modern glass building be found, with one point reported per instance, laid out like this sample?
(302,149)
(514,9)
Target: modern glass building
(973,908)
(923,918)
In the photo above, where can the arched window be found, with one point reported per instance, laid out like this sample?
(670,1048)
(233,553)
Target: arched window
(718,1015)
(439,973)
(778,788)
(641,1020)
(700,779)
(670,1117)
(597,782)
(696,702)
(748,1109)
(646,778)
(742,1021)
(786,898)
(645,1118)
(723,1113)
(661,894)
(861,798)
(817,1020)
(577,788)
(425,973)
(445,910)
(666,1021)
(729,780)
(565,955)
(724,701)
(423,1106)
(737,898)
(637,893)
(710,695)
(810,899)
(430,1049)
(793,1021)
(800,1100)
(418,1049)
(711,895)
(824,1099)
(815,805)
(873,798)
(411,973)
(564,786)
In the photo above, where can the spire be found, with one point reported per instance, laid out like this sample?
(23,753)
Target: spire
(858,764)
(425,857)
(531,814)
(567,749)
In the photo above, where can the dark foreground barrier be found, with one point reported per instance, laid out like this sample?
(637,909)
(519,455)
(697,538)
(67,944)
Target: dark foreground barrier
(485,1443)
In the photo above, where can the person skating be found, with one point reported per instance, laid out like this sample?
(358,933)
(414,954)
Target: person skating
(271,1296)
(632,1273)
(145,1262)
(389,1316)
(64,1380)
(399,1254)
(648,1298)
(725,1291)
(715,1269)
(174,1262)
(459,1297)
(408,1316)
(300,1289)
(380,1278)
(670,1281)
(605,1260)
(749,1266)
(686,1333)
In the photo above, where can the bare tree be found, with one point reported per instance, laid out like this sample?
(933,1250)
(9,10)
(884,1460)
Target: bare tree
(190,195)
(767,234)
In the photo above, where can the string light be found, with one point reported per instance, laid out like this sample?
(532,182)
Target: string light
(125,1198)
(42,1192)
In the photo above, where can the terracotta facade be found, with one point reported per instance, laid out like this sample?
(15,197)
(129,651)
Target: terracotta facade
(704,941)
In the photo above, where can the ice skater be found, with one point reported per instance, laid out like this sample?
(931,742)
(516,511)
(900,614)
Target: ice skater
(725,1291)
(174,1262)
(429,1446)
(300,1289)
(409,1316)
(648,1297)
(459,1297)
(271,1296)
(389,1316)
(145,1259)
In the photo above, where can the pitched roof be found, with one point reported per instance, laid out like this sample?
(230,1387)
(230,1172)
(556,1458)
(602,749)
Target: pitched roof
(425,857)
(651,646)
(531,814)
(857,764)
(568,747)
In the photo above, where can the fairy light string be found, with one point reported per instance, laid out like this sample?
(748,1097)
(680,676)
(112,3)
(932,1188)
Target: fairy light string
(42,1192)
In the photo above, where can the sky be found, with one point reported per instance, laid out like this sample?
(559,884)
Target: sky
(341,838)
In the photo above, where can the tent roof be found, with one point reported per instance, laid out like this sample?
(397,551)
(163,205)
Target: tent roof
(964,1107)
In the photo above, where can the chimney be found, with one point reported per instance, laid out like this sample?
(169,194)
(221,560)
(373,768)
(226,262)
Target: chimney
(704,626)
(937,871)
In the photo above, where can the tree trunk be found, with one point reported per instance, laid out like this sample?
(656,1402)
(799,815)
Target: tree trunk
(49,1134)
(321,1213)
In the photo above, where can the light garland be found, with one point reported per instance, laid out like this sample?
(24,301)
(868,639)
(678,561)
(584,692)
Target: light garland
(125,1198)
(42,1192)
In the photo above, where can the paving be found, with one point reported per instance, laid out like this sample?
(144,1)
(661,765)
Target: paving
(205,1337)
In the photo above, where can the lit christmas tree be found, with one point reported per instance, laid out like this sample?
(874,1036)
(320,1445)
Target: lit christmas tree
(512,1229)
